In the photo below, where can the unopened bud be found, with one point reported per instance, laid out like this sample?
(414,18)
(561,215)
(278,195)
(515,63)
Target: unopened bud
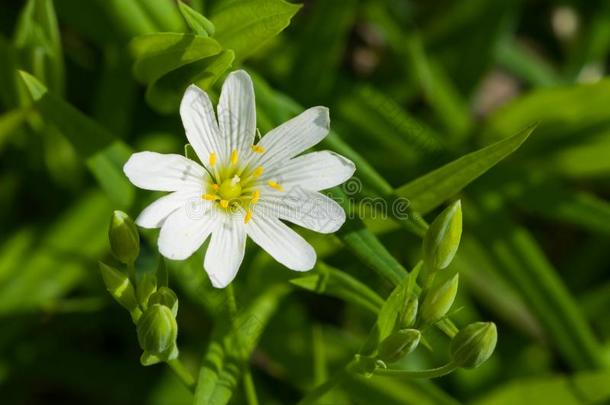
(439,300)
(398,345)
(145,287)
(124,237)
(442,239)
(157,333)
(119,286)
(474,344)
(409,312)
(165,296)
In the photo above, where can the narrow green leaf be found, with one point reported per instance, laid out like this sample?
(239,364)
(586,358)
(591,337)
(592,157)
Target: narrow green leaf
(430,190)
(103,154)
(244,26)
(196,22)
(330,281)
(159,53)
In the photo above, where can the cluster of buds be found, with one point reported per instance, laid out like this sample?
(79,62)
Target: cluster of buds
(470,346)
(153,307)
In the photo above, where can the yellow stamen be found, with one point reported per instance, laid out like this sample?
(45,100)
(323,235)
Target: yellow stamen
(275,185)
(209,197)
(257,172)
(255,196)
(258,149)
(234,156)
(215,187)
(248,216)
(212,159)
(224,203)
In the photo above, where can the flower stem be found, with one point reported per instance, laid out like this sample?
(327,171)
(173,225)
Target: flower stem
(131,272)
(431,373)
(182,373)
(249,388)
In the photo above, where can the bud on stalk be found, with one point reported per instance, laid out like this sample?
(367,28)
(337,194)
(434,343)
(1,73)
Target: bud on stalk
(398,345)
(124,237)
(165,296)
(409,312)
(442,239)
(119,286)
(157,333)
(474,344)
(439,300)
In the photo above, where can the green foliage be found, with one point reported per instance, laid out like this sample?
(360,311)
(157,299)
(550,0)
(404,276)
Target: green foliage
(432,102)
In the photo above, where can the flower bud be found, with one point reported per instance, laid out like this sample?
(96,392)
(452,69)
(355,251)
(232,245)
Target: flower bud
(165,296)
(119,286)
(124,237)
(439,299)
(157,333)
(145,287)
(474,344)
(442,239)
(398,345)
(409,312)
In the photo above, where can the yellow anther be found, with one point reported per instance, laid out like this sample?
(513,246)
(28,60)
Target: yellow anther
(275,185)
(258,149)
(248,216)
(224,203)
(212,159)
(255,196)
(209,197)
(234,156)
(215,187)
(257,172)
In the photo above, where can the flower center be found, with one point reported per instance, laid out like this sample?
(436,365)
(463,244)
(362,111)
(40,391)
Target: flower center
(232,187)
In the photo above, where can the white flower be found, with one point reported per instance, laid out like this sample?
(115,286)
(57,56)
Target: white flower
(244,188)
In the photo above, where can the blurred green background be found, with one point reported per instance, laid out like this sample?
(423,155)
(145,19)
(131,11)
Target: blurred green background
(411,86)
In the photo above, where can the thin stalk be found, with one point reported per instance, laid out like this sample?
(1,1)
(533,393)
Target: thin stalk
(430,373)
(318,392)
(183,374)
(131,272)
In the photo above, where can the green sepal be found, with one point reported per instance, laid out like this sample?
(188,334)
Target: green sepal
(119,286)
(398,345)
(157,332)
(442,239)
(474,344)
(124,237)
(439,300)
(165,296)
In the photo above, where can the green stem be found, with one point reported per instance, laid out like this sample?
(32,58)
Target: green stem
(249,388)
(182,373)
(131,272)
(431,373)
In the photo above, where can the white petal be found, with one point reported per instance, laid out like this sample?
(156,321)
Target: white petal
(185,230)
(200,124)
(309,209)
(313,171)
(225,252)
(294,136)
(163,172)
(154,215)
(237,112)
(281,242)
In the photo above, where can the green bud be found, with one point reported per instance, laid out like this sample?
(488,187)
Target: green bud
(398,345)
(165,296)
(157,333)
(409,312)
(439,300)
(124,237)
(474,344)
(442,239)
(119,286)
(145,287)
